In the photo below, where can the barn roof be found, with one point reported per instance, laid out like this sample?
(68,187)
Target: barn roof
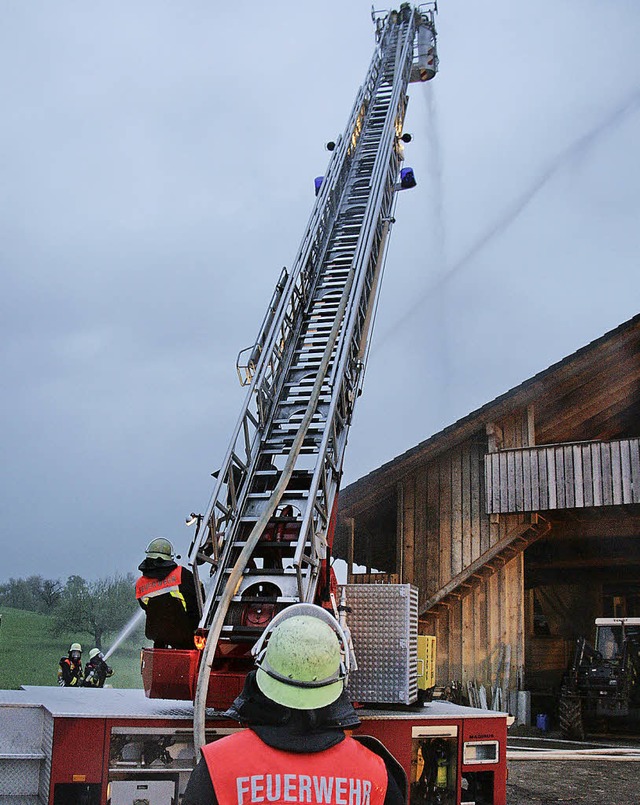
(605,371)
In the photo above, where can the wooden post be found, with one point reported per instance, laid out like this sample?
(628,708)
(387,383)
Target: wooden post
(351,524)
(408,529)
(400,531)
(531,428)
(495,437)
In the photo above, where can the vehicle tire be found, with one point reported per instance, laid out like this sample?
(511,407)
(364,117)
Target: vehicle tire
(570,718)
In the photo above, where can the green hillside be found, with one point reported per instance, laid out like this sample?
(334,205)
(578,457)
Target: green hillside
(30,650)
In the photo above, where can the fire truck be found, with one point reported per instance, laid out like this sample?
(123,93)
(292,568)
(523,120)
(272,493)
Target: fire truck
(264,541)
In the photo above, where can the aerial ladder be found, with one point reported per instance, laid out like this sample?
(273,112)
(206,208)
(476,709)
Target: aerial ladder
(264,541)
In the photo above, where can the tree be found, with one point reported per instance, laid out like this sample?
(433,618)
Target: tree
(35,593)
(98,608)
(17,593)
(50,593)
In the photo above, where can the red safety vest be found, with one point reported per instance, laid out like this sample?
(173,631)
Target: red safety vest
(246,771)
(147,587)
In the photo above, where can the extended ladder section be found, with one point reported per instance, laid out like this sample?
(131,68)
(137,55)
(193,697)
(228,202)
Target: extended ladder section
(268,527)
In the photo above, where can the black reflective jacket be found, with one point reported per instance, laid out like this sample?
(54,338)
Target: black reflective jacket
(169,621)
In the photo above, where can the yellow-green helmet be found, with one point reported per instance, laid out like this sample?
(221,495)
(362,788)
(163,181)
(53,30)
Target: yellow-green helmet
(302,658)
(159,548)
(94,653)
(75,647)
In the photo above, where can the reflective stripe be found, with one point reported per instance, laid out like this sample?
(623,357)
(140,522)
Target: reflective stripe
(162,591)
(147,588)
(173,592)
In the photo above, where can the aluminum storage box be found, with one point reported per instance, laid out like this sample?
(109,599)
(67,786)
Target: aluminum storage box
(383,620)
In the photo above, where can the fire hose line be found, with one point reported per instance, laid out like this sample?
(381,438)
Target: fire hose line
(617,755)
(235,576)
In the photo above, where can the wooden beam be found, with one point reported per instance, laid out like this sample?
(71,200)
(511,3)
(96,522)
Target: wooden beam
(495,437)
(531,428)
(351,526)
(456,512)
(597,400)
(408,531)
(433,532)
(400,531)
(596,385)
(421,554)
(595,562)
(608,354)
(492,556)
(444,538)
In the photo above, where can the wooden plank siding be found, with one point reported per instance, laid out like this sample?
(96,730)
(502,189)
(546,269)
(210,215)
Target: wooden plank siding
(444,521)
(472,631)
(428,575)
(443,529)
(444,526)
(409,521)
(563,476)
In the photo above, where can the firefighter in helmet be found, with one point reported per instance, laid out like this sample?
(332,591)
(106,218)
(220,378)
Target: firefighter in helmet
(96,671)
(167,593)
(295,748)
(70,671)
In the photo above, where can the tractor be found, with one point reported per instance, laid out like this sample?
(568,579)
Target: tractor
(602,684)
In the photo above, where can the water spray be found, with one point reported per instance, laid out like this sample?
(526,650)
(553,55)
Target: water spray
(133,622)
(577,148)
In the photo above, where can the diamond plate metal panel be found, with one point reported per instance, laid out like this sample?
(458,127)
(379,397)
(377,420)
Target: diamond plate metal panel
(21,732)
(47,748)
(383,619)
(21,753)
(19,777)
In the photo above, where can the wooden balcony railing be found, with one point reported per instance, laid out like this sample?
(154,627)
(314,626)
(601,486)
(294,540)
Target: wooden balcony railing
(563,476)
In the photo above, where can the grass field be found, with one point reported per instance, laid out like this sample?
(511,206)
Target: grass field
(30,650)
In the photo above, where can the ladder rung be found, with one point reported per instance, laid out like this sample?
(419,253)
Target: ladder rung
(242,631)
(290,493)
(280,599)
(281,544)
(262,572)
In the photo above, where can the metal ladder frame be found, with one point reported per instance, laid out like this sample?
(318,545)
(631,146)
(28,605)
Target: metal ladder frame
(354,207)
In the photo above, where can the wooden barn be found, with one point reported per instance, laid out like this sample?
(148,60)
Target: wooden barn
(519,524)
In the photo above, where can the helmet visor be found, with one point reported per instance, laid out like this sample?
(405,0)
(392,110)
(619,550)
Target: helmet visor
(294,695)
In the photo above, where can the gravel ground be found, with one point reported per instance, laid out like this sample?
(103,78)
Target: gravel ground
(579,782)
(562,782)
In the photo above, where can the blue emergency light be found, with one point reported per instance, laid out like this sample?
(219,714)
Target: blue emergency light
(407,179)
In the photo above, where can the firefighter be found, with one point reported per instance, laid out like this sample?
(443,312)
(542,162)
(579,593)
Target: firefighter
(295,707)
(70,671)
(167,593)
(96,671)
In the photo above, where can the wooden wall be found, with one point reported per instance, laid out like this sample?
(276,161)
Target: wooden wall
(442,527)
(472,631)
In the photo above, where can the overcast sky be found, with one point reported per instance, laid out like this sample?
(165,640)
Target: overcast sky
(156,171)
